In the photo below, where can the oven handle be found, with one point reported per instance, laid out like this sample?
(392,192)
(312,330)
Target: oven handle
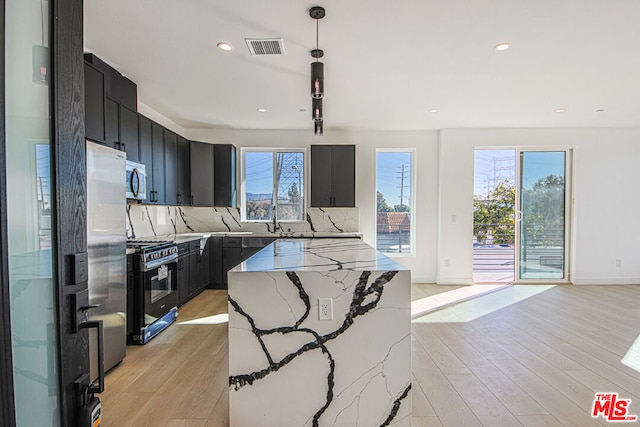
(160,262)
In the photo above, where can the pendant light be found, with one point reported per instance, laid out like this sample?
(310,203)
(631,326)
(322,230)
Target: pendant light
(40,56)
(317,75)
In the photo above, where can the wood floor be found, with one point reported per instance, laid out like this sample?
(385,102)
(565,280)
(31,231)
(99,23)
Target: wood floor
(523,355)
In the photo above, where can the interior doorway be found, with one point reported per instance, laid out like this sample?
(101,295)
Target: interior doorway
(521,215)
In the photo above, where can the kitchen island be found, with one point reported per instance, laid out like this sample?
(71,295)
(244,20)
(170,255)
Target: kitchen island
(289,368)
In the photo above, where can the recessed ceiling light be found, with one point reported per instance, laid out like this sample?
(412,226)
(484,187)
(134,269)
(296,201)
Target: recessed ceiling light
(599,110)
(262,110)
(303,110)
(560,110)
(227,47)
(433,110)
(502,46)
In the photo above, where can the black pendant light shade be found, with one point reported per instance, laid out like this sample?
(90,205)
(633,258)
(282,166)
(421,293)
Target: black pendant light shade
(40,64)
(317,80)
(317,76)
(316,110)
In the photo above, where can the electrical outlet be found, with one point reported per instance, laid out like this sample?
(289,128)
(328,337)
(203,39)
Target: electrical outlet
(618,263)
(446,262)
(325,309)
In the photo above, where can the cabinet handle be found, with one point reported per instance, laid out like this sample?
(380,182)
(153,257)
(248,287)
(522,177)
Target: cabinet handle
(123,147)
(192,202)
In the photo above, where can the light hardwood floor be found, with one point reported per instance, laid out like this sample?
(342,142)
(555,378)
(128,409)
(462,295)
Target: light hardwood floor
(523,355)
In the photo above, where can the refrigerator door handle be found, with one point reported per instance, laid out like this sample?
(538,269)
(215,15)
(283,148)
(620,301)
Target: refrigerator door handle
(97,324)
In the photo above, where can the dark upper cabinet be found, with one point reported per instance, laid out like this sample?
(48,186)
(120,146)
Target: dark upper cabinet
(112,125)
(333,175)
(202,173)
(94,103)
(224,175)
(108,97)
(184,178)
(129,138)
(170,168)
(146,152)
(158,165)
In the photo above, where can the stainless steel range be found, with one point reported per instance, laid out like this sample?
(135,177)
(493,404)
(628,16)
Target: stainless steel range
(153,295)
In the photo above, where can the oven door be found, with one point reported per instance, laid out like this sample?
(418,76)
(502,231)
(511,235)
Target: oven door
(160,291)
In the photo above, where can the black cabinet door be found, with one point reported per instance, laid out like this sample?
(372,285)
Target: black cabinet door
(321,175)
(224,175)
(202,168)
(215,262)
(112,124)
(170,167)
(183,279)
(333,175)
(94,104)
(146,152)
(157,140)
(184,187)
(344,175)
(195,273)
(129,138)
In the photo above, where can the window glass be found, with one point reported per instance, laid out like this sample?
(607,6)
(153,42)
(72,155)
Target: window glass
(394,201)
(274,183)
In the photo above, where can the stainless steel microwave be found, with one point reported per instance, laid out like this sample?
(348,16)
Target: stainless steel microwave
(136,181)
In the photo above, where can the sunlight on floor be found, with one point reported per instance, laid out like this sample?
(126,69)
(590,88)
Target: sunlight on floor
(209,320)
(472,309)
(434,302)
(632,358)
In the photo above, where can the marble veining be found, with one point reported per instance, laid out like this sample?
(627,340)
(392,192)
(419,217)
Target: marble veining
(148,221)
(287,367)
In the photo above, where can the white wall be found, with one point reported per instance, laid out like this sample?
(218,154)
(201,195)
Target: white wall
(423,264)
(606,190)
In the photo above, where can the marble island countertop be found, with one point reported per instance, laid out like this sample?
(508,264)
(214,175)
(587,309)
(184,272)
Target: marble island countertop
(319,335)
(318,255)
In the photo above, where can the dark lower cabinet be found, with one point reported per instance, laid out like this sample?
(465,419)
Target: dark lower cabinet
(194,271)
(231,256)
(183,279)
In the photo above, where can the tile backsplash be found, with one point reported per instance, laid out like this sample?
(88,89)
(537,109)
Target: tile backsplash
(146,221)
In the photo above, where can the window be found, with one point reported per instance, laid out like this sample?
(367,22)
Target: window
(394,201)
(273,185)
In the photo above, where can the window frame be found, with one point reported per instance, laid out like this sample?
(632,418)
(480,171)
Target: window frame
(243,183)
(411,201)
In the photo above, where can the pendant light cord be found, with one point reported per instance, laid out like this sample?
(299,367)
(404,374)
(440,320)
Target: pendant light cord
(42,18)
(317,37)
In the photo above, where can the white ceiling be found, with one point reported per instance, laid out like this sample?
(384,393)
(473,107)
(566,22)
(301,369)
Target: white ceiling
(386,62)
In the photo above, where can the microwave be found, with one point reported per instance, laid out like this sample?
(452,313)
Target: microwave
(136,181)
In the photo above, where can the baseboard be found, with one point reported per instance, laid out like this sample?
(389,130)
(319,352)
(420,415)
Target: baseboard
(605,280)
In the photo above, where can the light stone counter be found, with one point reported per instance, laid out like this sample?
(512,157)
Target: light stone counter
(288,368)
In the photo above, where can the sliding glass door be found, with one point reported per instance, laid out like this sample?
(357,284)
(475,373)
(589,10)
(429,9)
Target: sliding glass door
(542,215)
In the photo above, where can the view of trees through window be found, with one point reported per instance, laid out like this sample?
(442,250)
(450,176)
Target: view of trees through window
(495,220)
(274,185)
(394,201)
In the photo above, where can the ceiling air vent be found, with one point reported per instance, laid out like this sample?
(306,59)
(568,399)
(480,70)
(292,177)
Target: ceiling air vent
(265,46)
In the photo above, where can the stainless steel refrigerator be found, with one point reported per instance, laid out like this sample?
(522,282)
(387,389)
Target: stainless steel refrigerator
(106,241)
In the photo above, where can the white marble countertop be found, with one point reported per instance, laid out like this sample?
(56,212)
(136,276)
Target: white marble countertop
(318,255)
(187,237)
